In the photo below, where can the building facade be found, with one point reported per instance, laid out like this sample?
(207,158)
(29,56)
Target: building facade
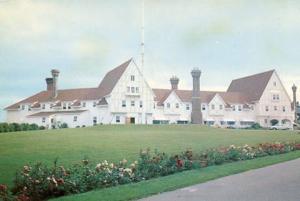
(125,97)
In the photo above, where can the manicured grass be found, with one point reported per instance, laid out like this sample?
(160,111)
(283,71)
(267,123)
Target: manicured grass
(117,142)
(179,180)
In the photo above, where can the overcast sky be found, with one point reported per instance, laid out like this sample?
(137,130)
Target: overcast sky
(84,39)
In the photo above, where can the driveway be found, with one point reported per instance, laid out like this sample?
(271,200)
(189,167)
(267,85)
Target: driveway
(280,182)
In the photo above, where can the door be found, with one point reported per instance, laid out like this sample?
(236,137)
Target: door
(132,120)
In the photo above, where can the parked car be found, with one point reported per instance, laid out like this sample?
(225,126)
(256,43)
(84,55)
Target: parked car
(280,127)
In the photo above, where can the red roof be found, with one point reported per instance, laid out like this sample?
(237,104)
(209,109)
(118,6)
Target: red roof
(253,86)
(105,88)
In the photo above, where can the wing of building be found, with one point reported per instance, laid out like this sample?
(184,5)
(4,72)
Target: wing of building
(124,96)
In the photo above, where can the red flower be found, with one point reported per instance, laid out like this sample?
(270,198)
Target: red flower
(60,181)
(3,188)
(297,146)
(179,163)
(23,197)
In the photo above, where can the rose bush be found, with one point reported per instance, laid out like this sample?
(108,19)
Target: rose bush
(39,182)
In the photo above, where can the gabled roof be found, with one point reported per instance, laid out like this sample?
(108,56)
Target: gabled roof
(206,96)
(46,114)
(112,77)
(105,88)
(252,86)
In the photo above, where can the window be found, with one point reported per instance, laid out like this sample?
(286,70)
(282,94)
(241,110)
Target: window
(123,103)
(64,106)
(137,90)
(275,96)
(132,89)
(132,78)
(132,103)
(203,107)
(187,106)
(75,118)
(23,107)
(69,105)
(177,105)
(275,108)
(94,121)
(266,121)
(43,119)
(141,104)
(128,89)
(283,109)
(233,107)
(240,108)
(168,105)
(267,108)
(274,84)
(94,104)
(212,106)
(118,119)
(29,107)
(83,104)
(43,106)
(221,107)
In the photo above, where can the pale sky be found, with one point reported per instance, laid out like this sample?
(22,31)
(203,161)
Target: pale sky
(84,39)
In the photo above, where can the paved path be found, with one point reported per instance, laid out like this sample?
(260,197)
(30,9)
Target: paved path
(280,182)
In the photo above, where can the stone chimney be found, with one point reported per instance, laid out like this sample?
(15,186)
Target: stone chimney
(196,115)
(49,82)
(294,105)
(174,82)
(55,74)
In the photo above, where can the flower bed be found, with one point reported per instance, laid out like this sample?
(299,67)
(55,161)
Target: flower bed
(40,182)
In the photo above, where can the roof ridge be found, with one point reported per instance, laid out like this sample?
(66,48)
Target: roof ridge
(273,70)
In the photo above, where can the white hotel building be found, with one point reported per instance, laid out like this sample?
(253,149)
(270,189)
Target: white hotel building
(125,97)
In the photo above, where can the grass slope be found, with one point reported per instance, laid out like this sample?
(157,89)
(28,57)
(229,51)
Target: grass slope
(172,182)
(117,142)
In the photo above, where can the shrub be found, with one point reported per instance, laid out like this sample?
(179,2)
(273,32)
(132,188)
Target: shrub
(63,125)
(40,182)
(256,126)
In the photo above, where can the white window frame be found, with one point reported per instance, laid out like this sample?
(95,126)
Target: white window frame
(118,119)
(132,78)
(123,103)
(132,103)
(75,118)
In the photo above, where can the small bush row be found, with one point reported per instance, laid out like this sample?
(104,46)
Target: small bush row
(12,127)
(40,182)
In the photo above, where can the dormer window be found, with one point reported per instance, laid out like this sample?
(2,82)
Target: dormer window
(177,105)
(94,104)
(187,106)
(43,106)
(274,84)
(23,107)
(64,106)
(29,108)
(168,105)
(240,108)
(221,107)
(83,104)
(132,78)
(203,107)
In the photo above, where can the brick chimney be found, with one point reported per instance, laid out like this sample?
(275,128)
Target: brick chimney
(49,82)
(196,115)
(294,105)
(55,74)
(174,82)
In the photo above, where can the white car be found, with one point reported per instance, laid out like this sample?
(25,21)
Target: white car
(280,127)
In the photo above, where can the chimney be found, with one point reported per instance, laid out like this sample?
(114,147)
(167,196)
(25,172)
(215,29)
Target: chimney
(196,115)
(174,82)
(55,74)
(49,82)
(294,105)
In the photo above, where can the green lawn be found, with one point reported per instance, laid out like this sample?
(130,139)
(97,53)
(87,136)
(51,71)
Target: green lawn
(117,142)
